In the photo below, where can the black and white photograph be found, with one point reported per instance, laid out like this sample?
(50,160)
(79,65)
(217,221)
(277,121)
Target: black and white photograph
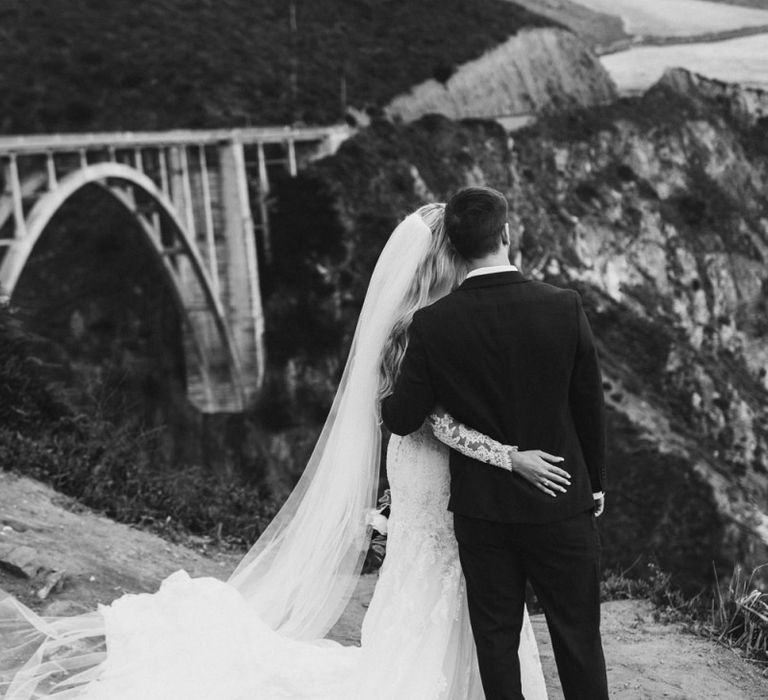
(383,349)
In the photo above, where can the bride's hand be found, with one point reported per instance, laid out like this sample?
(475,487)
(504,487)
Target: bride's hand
(538,468)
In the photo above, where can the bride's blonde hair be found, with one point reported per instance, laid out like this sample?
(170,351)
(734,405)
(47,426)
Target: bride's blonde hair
(441,271)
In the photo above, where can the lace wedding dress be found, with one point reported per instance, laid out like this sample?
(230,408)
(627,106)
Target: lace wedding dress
(416,639)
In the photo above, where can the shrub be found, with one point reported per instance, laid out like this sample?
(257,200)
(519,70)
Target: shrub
(113,467)
(739,616)
(230,63)
(108,470)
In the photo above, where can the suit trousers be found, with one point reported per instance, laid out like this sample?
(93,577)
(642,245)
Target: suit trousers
(561,560)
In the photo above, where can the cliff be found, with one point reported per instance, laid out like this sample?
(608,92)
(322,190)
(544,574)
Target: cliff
(537,70)
(747,105)
(655,209)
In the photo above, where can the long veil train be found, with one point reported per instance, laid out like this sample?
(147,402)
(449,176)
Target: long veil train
(300,574)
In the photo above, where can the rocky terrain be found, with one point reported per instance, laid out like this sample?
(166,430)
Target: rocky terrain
(99,560)
(655,209)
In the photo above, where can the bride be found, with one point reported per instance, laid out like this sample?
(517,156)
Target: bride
(261,633)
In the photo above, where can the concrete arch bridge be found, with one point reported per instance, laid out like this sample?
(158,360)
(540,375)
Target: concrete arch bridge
(191,194)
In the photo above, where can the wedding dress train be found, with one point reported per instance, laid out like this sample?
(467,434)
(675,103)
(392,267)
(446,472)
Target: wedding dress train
(199,639)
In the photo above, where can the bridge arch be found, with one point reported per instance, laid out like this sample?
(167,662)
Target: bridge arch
(214,374)
(191,192)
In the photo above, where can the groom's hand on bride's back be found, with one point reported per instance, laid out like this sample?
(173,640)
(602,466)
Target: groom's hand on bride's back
(540,469)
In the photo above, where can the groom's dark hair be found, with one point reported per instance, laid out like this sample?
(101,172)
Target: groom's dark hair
(474,221)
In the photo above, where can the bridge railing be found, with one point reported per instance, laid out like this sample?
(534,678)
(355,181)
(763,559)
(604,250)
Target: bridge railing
(41,143)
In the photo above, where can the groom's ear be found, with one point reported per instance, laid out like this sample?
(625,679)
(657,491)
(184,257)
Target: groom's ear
(505,234)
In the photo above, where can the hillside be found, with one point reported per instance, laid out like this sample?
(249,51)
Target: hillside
(653,208)
(75,65)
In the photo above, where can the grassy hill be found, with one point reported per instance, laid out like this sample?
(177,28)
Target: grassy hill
(75,65)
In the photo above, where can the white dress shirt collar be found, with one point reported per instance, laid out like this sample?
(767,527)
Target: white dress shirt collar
(491,270)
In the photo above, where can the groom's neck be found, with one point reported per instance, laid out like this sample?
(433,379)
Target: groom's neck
(500,257)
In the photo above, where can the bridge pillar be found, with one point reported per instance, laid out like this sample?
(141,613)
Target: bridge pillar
(241,292)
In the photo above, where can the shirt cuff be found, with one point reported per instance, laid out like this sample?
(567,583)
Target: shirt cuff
(598,495)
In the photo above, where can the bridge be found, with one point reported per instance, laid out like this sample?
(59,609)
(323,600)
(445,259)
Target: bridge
(191,193)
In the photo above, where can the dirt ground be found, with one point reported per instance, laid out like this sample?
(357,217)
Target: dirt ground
(649,660)
(646,660)
(103,559)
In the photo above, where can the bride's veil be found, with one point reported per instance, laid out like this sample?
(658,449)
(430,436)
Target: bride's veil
(303,569)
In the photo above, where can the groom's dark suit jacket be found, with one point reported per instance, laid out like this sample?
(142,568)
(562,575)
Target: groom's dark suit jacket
(514,359)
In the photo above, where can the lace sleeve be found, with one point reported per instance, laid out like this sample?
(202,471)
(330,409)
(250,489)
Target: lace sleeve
(470,442)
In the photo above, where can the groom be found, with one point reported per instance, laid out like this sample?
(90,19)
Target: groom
(515,359)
